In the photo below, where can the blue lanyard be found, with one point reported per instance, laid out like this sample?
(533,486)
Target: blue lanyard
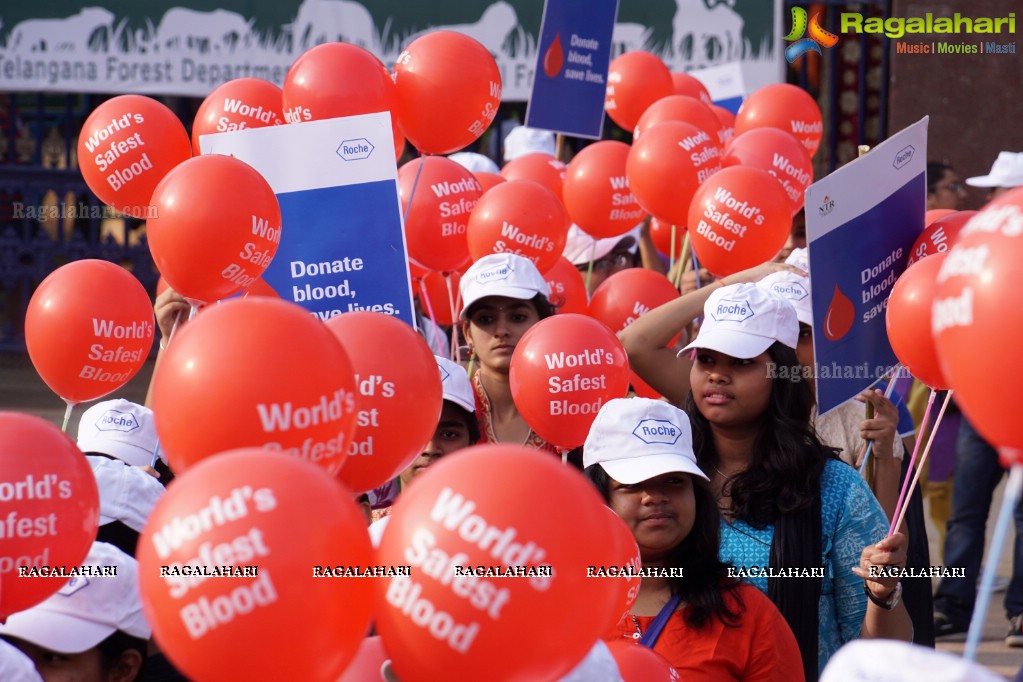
(649,637)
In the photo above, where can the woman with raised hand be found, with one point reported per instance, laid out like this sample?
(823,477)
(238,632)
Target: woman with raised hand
(787,504)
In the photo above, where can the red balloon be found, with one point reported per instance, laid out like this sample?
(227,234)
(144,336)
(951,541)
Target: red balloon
(521,217)
(339,79)
(449,89)
(400,396)
(441,203)
(205,247)
(259,372)
(49,494)
(597,194)
(127,145)
(684,84)
(488,180)
(783,106)
(909,311)
(778,153)
(680,108)
(635,80)
(568,289)
(638,663)
(469,510)
(282,518)
(538,167)
(667,165)
(625,296)
(936,213)
(236,105)
(939,234)
(563,369)
(975,323)
(261,288)
(739,218)
(369,659)
(727,120)
(88,328)
(661,234)
(437,298)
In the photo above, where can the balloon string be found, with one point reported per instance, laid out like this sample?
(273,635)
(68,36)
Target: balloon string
(671,254)
(684,262)
(435,328)
(589,269)
(923,458)
(916,448)
(870,415)
(412,192)
(67,415)
(987,581)
(452,301)
(192,313)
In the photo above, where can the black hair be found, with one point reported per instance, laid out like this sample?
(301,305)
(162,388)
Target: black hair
(788,457)
(935,172)
(544,307)
(111,648)
(705,575)
(471,423)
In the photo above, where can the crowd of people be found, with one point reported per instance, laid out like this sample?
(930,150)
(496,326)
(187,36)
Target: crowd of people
(757,498)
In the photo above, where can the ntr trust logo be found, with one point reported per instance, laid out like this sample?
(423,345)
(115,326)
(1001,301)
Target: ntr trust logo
(817,38)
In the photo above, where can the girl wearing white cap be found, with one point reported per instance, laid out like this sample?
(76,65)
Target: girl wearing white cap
(456,429)
(708,625)
(786,501)
(503,295)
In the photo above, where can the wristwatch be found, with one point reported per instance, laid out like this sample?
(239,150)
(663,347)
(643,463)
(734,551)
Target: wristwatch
(887,604)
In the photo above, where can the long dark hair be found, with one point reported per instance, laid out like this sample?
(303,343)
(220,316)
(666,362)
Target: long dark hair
(705,576)
(787,459)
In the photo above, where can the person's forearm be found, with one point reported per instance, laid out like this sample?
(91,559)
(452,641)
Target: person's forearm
(887,472)
(647,338)
(649,256)
(881,624)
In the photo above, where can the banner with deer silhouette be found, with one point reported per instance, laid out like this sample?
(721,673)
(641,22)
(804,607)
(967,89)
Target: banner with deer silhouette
(861,222)
(163,48)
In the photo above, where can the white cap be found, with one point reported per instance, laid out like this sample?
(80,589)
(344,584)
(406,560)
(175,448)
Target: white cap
(88,609)
(16,666)
(126,493)
(475,163)
(522,140)
(882,660)
(455,384)
(579,246)
(743,320)
(501,274)
(636,439)
(1006,171)
(800,258)
(795,289)
(121,429)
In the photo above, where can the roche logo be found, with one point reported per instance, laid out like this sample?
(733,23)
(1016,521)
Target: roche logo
(115,420)
(732,311)
(661,431)
(903,157)
(791,290)
(353,150)
(444,374)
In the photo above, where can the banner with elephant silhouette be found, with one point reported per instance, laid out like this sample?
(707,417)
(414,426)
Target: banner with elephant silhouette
(163,48)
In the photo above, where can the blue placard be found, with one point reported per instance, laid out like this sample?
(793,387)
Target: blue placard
(342,246)
(861,223)
(570,80)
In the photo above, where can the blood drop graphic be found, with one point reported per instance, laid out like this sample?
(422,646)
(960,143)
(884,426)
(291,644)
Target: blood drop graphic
(554,58)
(839,318)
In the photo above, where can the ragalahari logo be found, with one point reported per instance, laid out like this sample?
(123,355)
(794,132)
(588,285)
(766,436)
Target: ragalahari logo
(818,37)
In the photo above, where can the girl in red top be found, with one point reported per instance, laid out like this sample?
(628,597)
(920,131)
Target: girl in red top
(709,626)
